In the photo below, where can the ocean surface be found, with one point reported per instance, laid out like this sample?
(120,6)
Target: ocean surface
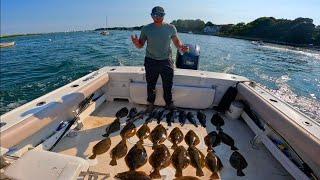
(39,64)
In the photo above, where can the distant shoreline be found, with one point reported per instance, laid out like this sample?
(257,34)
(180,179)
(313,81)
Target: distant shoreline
(273,42)
(16,35)
(137,28)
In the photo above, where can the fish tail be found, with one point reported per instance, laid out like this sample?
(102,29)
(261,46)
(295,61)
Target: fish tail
(106,134)
(214,175)
(140,141)
(113,162)
(234,148)
(93,156)
(174,146)
(240,173)
(178,172)
(199,172)
(154,145)
(210,149)
(155,174)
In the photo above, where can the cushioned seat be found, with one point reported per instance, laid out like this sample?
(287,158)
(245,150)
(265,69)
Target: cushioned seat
(37,164)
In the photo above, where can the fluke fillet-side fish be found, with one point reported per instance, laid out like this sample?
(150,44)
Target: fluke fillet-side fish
(101,147)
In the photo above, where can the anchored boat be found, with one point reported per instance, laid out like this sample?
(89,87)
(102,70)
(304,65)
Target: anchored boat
(53,136)
(7,44)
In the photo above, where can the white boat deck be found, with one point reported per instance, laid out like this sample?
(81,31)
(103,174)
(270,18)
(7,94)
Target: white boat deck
(261,164)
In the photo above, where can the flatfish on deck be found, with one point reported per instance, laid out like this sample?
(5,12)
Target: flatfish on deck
(119,151)
(175,137)
(101,147)
(238,162)
(196,159)
(212,140)
(159,159)
(158,135)
(128,130)
(136,157)
(191,138)
(143,133)
(214,164)
(180,160)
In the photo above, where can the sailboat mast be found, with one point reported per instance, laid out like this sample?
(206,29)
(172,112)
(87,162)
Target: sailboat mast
(106,22)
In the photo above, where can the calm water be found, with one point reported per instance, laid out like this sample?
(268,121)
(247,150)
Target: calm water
(41,63)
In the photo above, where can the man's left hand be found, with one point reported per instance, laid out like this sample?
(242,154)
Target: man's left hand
(184,48)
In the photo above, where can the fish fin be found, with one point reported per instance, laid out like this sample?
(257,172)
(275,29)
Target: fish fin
(155,174)
(215,175)
(113,162)
(234,148)
(106,134)
(240,173)
(199,172)
(93,156)
(178,172)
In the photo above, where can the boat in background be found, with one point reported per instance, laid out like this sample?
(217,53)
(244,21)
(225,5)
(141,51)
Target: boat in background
(258,43)
(105,32)
(7,44)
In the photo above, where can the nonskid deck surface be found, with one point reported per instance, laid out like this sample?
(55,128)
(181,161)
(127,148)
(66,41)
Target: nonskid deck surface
(261,164)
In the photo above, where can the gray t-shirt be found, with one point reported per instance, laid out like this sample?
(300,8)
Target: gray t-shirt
(158,40)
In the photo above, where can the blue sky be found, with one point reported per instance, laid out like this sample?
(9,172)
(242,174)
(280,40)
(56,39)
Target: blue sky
(33,16)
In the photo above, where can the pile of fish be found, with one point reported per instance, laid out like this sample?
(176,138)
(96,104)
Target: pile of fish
(161,158)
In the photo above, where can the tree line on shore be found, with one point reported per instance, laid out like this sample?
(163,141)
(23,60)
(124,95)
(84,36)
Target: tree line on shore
(300,31)
(297,31)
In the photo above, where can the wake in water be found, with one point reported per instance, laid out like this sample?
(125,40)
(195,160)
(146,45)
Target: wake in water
(309,53)
(310,107)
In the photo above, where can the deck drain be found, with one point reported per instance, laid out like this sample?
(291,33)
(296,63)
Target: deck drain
(307,123)
(75,85)
(273,100)
(41,103)
(112,69)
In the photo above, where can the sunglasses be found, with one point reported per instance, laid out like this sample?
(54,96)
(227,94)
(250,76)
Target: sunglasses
(157,15)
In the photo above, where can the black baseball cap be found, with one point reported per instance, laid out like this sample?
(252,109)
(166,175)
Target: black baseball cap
(158,10)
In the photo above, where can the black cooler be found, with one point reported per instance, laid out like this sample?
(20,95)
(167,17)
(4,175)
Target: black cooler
(189,60)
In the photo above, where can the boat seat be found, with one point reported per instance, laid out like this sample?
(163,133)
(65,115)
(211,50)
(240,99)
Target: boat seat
(38,164)
(183,96)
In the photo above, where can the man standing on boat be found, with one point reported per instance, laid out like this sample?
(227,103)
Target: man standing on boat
(158,59)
